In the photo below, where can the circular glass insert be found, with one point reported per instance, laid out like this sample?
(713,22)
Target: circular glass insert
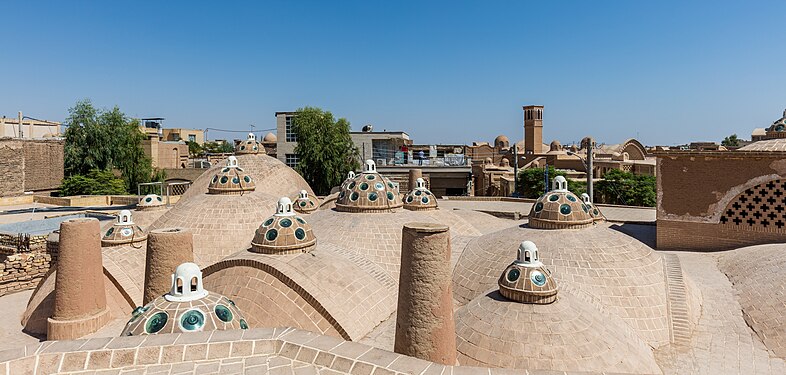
(424,200)
(571,197)
(300,233)
(341,195)
(351,185)
(354,196)
(243,324)
(513,275)
(302,203)
(242,148)
(390,185)
(553,197)
(391,196)
(192,320)
(363,186)
(225,170)
(418,192)
(159,199)
(235,180)
(595,211)
(109,232)
(254,148)
(538,206)
(379,186)
(224,179)
(271,235)
(565,209)
(215,179)
(156,322)
(300,220)
(247,179)
(223,313)
(268,222)
(370,177)
(286,223)
(584,207)
(538,278)
(409,199)
(373,196)
(125,232)
(148,199)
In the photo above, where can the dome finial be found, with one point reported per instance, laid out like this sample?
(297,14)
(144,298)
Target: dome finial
(186,284)
(303,194)
(232,162)
(251,137)
(528,254)
(370,166)
(559,185)
(125,217)
(284,207)
(420,183)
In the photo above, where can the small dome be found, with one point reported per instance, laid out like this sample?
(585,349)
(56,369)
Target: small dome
(505,163)
(559,209)
(420,198)
(488,160)
(179,311)
(231,180)
(284,232)
(305,203)
(501,142)
(150,201)
(270,137)
(369,192)
(555,146)
(123,231)
(594,211)
(526,279)
(249,146)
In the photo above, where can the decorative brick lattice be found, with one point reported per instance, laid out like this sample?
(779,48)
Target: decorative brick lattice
(762,208)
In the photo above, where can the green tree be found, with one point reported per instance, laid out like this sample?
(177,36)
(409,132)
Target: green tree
(105,140)
(532,182)
(618,187)
(217,147)
(731,141)
(324,148)
(95,182)
(194,149)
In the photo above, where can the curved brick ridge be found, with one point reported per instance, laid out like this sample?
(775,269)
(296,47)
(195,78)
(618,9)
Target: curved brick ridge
(253,351)
(625,275)
(679,317)
(757,274)
(320,291)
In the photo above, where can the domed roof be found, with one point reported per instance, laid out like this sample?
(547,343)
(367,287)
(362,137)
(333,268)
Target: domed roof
(123,231)
(501,141)
(150,202)
(270,137)
(559,209)
(420,198)
(188,307)
(567,335)
(625,276)
(526,279)
(594,211)
(305,203)
(555,146)
(231,180)
(270,175)
(249,146)
(284,232)
(369,191)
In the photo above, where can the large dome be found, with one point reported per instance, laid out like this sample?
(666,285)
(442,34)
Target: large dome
(626,276)
(249,146)
(567,335)
(270,175)
(559,208)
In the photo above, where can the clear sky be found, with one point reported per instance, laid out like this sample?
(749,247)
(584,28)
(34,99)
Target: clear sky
(445,72)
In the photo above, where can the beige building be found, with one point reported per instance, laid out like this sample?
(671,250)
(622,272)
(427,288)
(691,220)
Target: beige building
(30,165)
(30,129)
(181,134)
(166,154)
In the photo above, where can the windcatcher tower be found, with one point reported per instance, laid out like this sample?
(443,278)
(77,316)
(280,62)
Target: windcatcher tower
(533,129)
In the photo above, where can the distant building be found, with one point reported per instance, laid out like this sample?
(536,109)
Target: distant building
(180,134)
(30,166)
(775,131)
(30,129)
(164,153)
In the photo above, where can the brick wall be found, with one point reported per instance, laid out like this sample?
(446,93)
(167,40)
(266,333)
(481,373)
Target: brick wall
(30,165)
(700,194)
(43,164)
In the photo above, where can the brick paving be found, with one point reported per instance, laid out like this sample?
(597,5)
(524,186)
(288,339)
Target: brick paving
(722,343)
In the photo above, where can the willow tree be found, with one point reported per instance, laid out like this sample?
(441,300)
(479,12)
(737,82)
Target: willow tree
(324,148)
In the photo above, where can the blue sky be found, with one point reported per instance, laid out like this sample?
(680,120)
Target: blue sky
(445,72)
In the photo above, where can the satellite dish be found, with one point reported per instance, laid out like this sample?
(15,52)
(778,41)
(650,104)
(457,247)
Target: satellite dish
(368,128)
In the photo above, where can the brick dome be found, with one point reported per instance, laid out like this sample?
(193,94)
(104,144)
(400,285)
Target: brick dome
(526,279)
(369,191)
(420,198)
(150,202)
(559,209)
(123,231)
(231,180)
(305,203)
(284,232)
(249,146)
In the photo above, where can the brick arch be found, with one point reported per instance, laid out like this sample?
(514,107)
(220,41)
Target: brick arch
(758,208)
(263,295)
